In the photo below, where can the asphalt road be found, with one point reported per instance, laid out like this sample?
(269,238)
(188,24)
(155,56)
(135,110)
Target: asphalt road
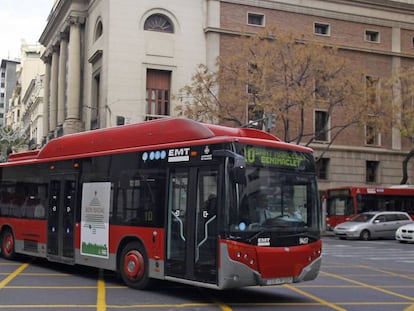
(355,276)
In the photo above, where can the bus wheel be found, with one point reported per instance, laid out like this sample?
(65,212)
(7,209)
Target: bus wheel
(134,266)
(365,235)
(7,244)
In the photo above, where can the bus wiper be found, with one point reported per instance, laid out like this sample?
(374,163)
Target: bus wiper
(255,235)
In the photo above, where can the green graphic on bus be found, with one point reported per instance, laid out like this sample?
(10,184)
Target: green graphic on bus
(94,249)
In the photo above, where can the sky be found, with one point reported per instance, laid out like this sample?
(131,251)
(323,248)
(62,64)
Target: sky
(21,19)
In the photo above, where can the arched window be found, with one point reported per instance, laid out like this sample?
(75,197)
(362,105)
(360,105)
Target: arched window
(98,30)
(159,22)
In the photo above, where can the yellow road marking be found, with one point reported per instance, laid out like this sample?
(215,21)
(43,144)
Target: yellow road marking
(101,294)
(221,305)
(12,275)
(410,308)
(313,297)
(365,285)
(133,307)
(388,272)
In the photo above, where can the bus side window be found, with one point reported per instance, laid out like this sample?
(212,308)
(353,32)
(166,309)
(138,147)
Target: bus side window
(140,196)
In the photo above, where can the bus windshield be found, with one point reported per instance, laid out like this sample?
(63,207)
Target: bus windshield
(279,195)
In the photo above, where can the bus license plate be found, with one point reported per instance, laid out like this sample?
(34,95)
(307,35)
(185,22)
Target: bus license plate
(277,281)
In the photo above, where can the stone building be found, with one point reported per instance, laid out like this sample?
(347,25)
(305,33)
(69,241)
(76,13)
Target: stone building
(113,62)
(8,80)
(25,109)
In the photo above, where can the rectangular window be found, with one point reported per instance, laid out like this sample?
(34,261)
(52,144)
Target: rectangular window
(322,29)
(372,36)
(321,90)
(321,125)
(371,89)
(255,117)
(158,93)
(96,94)
(372,135)
(372,171)
(322,168)
(255,19)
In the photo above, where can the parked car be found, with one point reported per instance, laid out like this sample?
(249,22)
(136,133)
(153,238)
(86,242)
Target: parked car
(371,225)
(405,233)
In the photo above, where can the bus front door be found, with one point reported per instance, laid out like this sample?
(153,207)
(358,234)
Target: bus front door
(191,246)
(61,218)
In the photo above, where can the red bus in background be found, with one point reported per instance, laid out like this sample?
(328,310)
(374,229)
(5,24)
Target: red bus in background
(343,203)
(169,199)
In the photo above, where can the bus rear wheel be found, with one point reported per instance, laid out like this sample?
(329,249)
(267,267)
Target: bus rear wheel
(7,244)
(134,266)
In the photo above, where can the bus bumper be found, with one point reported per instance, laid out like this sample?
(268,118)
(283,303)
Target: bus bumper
(233,274)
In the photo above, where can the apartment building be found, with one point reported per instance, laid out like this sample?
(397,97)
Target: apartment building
(8,80)
(25,110)
(113,62)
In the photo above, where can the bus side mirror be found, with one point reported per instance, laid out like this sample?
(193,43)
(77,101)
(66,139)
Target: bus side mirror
(239,174)
(238,171)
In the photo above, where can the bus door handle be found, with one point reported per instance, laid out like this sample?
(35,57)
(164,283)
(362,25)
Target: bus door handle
(205,236)
(181,226)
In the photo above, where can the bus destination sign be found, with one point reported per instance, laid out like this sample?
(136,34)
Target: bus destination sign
(272,157)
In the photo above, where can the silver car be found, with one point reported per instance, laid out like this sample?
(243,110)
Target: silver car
(371,225)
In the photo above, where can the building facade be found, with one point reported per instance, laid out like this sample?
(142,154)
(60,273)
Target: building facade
(8,80)
(114,62)
(25,110)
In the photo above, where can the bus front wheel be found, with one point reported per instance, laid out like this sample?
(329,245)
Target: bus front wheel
(134,266)
(7,244)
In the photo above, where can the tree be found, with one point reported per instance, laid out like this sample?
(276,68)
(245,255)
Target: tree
(10,141)
(400,89)
(275,73)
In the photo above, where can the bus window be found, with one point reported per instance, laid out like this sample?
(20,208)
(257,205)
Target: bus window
(138,195)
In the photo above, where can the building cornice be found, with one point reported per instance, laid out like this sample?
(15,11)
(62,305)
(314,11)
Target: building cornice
(382,12)
(340,47)
(365,150)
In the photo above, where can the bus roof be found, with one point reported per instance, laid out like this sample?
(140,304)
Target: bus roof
(159,131)
(391,190)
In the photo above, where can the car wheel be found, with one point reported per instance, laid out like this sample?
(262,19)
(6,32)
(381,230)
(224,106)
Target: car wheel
(365,235)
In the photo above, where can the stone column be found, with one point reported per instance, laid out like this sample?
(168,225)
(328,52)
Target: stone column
(72,122)
(46,97)
(53,90)
(62,79)
(396,66)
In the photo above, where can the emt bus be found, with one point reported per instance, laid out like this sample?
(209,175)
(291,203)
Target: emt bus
(169,199)
(343,203)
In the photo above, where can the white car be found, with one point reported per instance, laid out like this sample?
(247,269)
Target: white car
(405,233)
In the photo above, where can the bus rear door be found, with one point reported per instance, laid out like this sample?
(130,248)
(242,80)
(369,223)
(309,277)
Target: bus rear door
(61,218)
(191,246)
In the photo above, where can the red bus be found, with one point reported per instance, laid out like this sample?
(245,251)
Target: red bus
(343,203)
(169,199)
